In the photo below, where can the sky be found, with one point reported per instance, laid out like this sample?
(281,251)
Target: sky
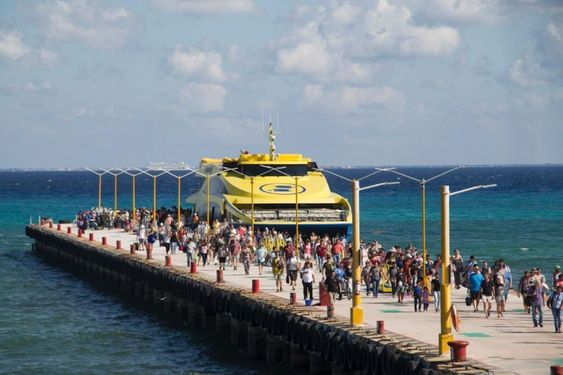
(372,83)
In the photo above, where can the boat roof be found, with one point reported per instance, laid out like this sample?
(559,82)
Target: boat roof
(249,159)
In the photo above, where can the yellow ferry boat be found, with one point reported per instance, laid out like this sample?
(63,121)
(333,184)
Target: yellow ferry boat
(271,190)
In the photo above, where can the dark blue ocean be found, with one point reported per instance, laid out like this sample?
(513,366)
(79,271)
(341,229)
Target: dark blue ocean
(52,322)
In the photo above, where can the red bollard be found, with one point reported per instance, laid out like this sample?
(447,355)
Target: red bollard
(458,350)
(167,259)
(79,233)
(220,278)
(556,370)
(380,327)
(59,227)
(193,267)
(50,225)
(324,298)
(91,237)
(131,249)
(104,241)
(68,230)
(292,298)
(118,245)
(255,286)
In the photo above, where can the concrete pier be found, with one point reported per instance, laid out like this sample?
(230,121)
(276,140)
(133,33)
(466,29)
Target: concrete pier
(270,328)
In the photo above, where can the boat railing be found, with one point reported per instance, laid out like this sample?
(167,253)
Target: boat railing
(316,215)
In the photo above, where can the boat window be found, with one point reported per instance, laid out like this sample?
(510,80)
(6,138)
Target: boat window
(290,169)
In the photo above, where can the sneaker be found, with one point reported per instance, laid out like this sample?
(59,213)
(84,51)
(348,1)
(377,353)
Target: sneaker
(541,325)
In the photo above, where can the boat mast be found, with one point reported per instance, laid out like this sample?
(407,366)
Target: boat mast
(272,138)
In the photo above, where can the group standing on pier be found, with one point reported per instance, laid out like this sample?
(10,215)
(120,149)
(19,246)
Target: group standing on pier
(398,270)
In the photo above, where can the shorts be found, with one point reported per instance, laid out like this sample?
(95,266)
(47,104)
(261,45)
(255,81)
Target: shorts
(475,295)
(487,299)
(499,297)
(293,275)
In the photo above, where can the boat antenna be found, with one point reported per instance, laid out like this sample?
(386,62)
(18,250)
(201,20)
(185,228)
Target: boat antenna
(272,138)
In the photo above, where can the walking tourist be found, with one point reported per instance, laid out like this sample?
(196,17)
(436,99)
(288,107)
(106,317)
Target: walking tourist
(555,303)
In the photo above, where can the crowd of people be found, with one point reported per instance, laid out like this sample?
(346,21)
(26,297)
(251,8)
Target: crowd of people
(399,271)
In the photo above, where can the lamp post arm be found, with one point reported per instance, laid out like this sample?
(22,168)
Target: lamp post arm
(444,173)
(472,188)
(404,175)
(378,184)
(334,174)
(372,174)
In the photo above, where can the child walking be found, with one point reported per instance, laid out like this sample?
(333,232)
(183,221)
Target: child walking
(425,299)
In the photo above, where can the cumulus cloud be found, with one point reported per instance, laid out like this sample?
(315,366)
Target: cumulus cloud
(206,6)
(525,72)
(203,97)
(475,11)
(343,41)
(87,21)
(198,64)
(12,46)
(352,99)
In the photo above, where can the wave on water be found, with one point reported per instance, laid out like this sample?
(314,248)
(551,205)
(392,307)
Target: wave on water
(524,248)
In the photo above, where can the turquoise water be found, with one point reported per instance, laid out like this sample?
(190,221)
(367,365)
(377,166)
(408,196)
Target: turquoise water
(53,322)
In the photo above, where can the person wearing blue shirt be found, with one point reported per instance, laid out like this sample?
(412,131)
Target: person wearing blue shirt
(555,302)
(475,281)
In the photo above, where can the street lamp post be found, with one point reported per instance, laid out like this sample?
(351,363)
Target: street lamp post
(356,311)
(115,174)
(179,188)
(154,177)
(445,335)
(423,182)
(134,191)
(99,174)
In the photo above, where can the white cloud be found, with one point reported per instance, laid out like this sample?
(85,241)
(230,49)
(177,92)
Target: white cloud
(344,41)
(48,58)
(13,48)
(459,10)
(206,6)
(28,88)
(198,64)
(525,73)
(203,97)
(390,29)
(11,45)
(87,21)
(310,54)
(352,99)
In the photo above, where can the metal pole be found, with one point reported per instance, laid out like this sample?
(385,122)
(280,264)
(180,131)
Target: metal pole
(154,198)
(252,204)
(356,312)
(425,280)
(208,200)
(296,216)
(446,287)
(179,187)
(99,191)
(115,192)
(134,213)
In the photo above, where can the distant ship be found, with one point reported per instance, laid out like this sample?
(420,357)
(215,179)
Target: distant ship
(268,189)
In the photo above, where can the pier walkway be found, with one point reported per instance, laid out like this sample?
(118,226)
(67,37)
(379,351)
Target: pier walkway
(511,345)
